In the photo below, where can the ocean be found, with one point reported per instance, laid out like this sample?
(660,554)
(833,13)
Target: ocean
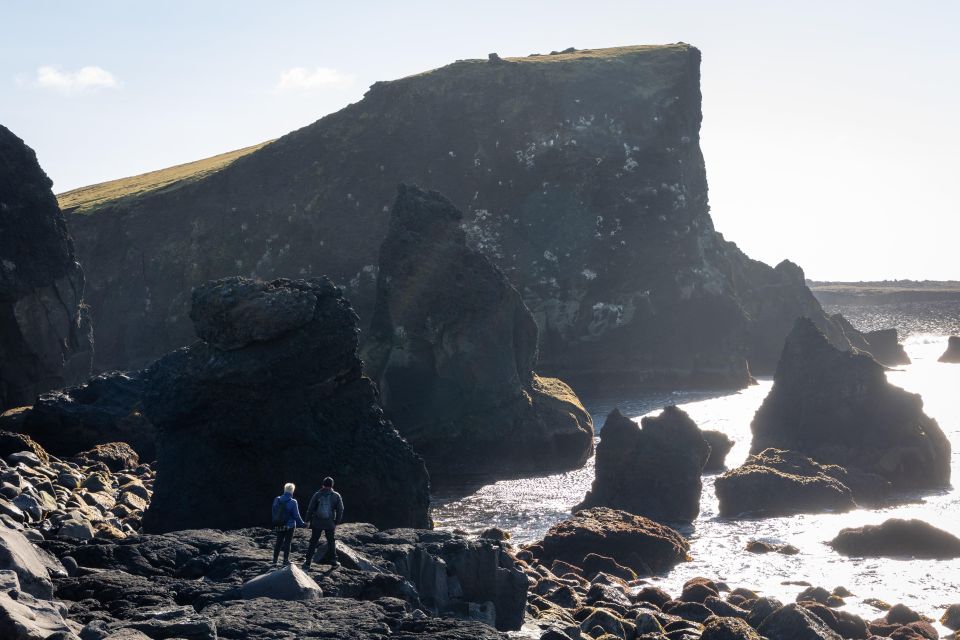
(528,507)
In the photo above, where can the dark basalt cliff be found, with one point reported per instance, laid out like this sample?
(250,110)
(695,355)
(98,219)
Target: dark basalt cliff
(838,408)
(580,176)
(453,348)
(273,393)
(44,329)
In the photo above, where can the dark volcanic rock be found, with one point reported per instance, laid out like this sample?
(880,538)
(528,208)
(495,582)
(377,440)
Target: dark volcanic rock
(652,469)
(290,405)
(793,622)
(884,345)
(580,176)
(720,445)
(838,408)
(104,409)
(897,538)
(631,540)
(777,483)
(952,354)
(44,328)
(453,347)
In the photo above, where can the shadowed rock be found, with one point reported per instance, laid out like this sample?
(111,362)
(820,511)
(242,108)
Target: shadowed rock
(838,408)
(453,347)
(720,445)
(778,483)
(652,469)
(104,409)
(45,338)
(633,541)
(884,345)
(291,404)
(952,354)
(897,538)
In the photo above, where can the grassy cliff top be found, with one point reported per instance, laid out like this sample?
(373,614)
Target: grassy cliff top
(88,199)
(609,52)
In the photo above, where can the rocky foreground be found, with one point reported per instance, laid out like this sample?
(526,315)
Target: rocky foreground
(74,564)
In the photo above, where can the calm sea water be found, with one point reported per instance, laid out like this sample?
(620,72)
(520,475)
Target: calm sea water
(529,507)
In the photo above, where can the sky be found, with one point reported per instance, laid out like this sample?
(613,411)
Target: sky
(830,129)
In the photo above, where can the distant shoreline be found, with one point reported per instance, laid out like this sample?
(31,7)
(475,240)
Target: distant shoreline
(885,291)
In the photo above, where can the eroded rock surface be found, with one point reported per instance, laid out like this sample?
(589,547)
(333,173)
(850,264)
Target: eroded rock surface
(290,404)
(45,339)
(652,469)
(838,408)
(633,541)
(579,174)
(453,348)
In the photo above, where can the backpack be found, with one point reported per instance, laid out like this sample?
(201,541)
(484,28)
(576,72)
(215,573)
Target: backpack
(281,512)
(325,506)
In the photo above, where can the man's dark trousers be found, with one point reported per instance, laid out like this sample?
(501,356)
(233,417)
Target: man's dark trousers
(330,556)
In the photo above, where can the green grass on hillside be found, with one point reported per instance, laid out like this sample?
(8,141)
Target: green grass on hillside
(88,199)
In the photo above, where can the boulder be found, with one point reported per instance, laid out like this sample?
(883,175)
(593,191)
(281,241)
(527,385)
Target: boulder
(884,345)
(793,622)
(951,617)
(726,628)
(778,483)
(11,443)
(634,541)
(952,354)
(720,445)
(24,617)
(652,469)
(897,538)
(452,347)
(236,422)
(838,408)
(595,206)
(117,456)
(45,339)
(20,557)
(286,583)
(104,409)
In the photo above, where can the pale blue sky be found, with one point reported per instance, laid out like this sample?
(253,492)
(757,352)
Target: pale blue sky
(830,128)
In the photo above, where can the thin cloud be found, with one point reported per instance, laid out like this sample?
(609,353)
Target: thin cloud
(85,79)
(304,79)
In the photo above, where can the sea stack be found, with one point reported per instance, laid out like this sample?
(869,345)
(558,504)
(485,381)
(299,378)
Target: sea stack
(453,348)
(884,345)
(652,469)
(838,408)
(580,175)
(44,328)
(952,354)
(272,393)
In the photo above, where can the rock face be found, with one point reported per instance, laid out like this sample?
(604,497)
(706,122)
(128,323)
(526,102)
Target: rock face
(652,469)
(45,339)
(453,347)
(952,354)
(104,409)
(580,175)
(838,408)
(898,538)
(720,445)
(633,541)
(273,392)
(778,483)
(884,345)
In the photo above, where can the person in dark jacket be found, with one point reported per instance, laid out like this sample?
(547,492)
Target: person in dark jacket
(285,505)
(324,513)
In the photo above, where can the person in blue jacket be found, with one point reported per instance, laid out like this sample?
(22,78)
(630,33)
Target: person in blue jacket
(286,518)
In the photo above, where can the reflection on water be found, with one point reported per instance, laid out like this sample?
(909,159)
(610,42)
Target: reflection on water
(529,507)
